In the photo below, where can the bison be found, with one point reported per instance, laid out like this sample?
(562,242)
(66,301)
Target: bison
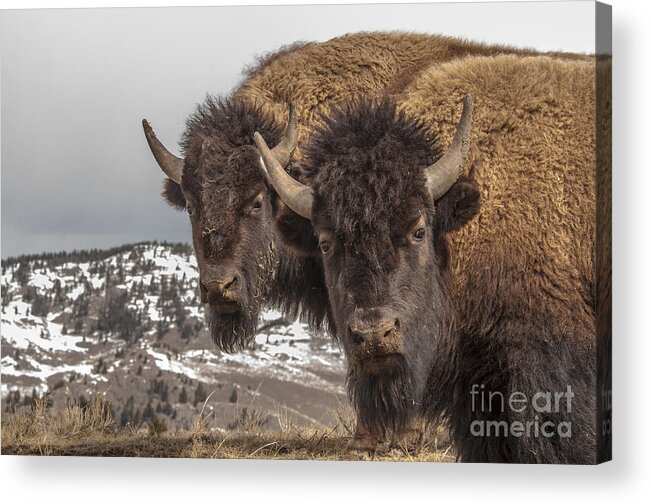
(467,298)
(219,184)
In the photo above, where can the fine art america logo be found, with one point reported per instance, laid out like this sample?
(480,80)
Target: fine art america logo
(537,413)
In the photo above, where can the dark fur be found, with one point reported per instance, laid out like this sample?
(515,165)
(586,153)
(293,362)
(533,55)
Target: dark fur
(220,178)
(385,402)
(497,358)
(366,168)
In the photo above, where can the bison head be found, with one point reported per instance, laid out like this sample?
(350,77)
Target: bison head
(218,183)
(379,202)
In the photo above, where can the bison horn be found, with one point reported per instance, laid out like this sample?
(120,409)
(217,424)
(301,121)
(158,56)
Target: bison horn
(444,173)
(295,195)
(172,165)
(283,151)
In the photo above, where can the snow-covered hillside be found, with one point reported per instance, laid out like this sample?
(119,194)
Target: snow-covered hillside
(127,323)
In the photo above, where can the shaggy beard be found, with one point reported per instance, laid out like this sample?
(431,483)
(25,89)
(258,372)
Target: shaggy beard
(384,402)
(232,332)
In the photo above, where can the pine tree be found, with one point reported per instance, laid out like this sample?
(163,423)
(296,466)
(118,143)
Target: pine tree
(199,394)
(183,396)
(148,414)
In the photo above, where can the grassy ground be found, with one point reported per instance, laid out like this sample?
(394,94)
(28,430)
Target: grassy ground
(91,431)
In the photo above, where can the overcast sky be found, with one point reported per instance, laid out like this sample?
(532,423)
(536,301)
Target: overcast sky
(75,84)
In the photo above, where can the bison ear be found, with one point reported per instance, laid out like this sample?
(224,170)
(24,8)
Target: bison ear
(458,206)
(295,232)
(173,194)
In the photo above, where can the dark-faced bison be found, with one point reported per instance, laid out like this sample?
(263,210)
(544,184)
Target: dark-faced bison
(463,298)
(219,183)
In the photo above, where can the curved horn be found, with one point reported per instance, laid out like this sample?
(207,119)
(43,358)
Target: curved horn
(445,172)
(283,151)
(295,195)
(172,165)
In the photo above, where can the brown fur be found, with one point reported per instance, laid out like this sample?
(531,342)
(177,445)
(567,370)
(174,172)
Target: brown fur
(222,171)
(523,270)
(604,258)
(368,64)
(397,60)
(519,278)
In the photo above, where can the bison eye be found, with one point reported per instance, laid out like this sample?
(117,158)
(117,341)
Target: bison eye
(257,206)
(419,234)
(324,246)
(190,210)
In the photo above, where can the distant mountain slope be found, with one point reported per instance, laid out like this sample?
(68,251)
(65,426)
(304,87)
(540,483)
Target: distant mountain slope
(127,323)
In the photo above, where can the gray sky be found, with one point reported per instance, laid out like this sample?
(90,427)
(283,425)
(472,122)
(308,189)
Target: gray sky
(76,171)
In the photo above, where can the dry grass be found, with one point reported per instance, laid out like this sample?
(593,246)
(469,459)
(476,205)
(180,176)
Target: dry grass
(91,430)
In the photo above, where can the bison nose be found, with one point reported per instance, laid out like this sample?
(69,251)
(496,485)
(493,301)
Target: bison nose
(374,334)
(223,286)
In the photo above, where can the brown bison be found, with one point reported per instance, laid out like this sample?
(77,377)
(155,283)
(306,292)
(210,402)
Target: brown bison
(218,180)
(469,299)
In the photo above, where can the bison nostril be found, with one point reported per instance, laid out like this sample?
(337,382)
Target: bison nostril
(388,332)
(396,325)
(230,284)
(357,337)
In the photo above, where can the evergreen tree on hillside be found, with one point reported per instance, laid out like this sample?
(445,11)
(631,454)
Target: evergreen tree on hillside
(148,414)
(186,331)
(118,318)
(199,394)
(40,304)
(183,396)
(21,274)
(7,296)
